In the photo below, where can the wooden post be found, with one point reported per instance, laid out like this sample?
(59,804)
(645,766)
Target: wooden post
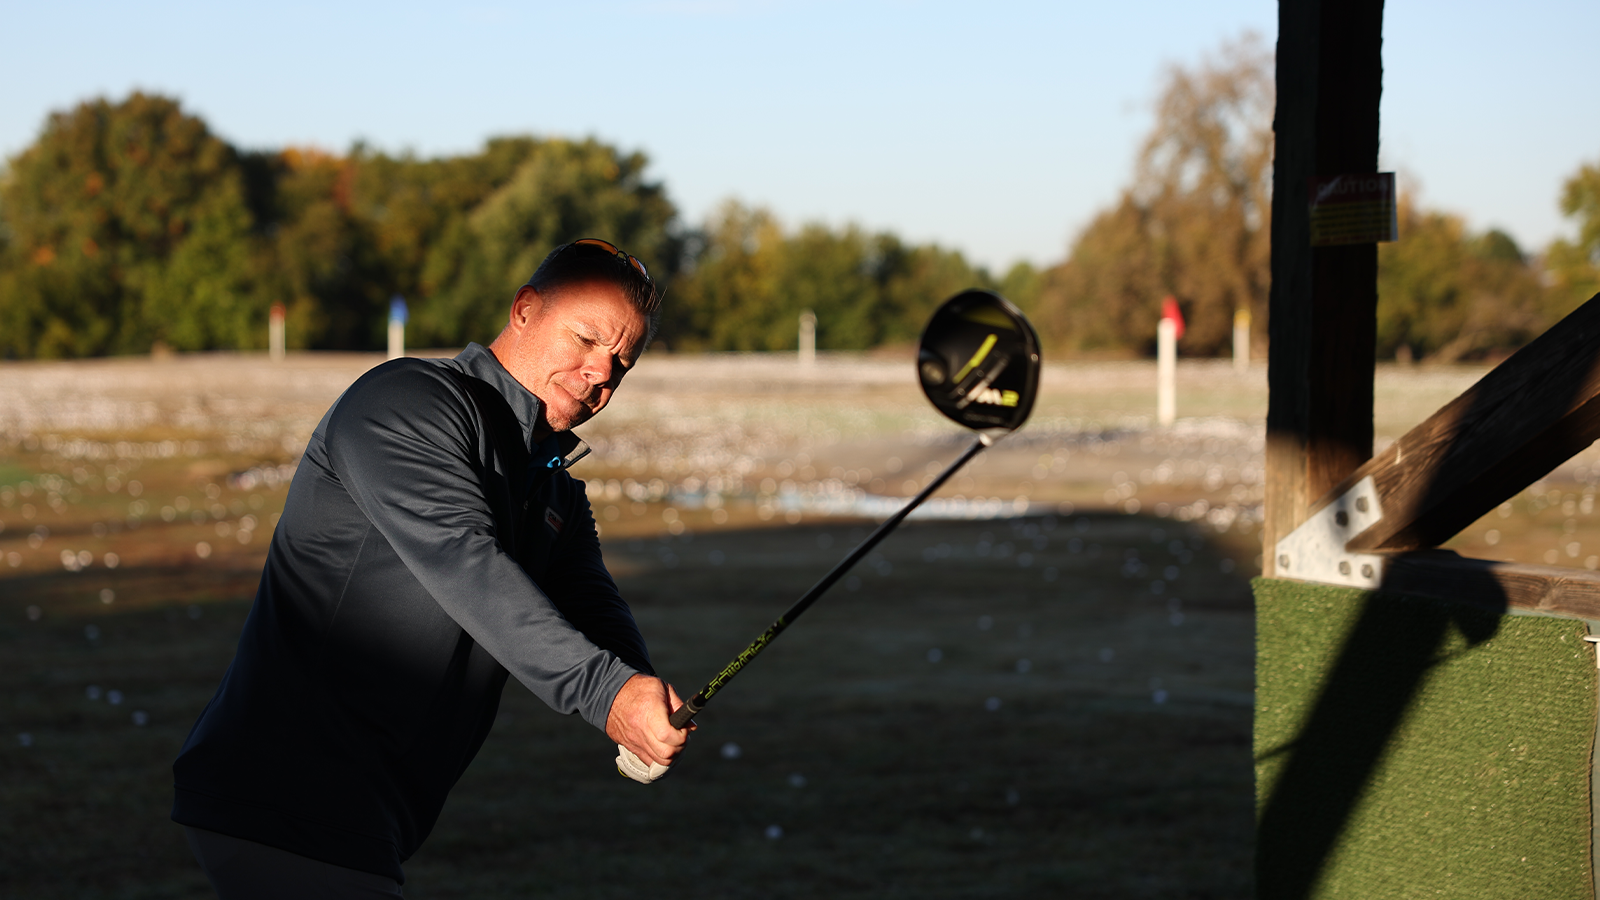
(397,327)
(1323,322)
(1166,371)
(1241,340)
(275,349)
(808,339)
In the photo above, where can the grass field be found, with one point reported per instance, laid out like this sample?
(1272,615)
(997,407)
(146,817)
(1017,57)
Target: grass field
(1051,697)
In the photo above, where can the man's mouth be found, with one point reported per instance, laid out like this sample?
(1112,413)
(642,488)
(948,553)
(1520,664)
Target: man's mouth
(587,399)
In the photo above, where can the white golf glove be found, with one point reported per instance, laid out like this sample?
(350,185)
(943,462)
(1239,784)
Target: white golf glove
(632,766)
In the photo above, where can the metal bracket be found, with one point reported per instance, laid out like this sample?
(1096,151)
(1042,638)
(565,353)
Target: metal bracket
(1315,551)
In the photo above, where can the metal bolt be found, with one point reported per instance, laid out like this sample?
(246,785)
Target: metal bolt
(1342,517)
(1361,504)
(1366,570)
(1283,560)
(1344,567)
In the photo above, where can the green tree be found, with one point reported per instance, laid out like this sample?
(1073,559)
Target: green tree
(916,279)
(1574,266)
(1022,284)
(829,274)
(1445,294)
(749,284)
(410,206)
(320,259)
(562,190)
(101,212)
(205,295)
(719,302)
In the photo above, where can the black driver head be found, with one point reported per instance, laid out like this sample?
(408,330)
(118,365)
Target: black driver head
(979,361)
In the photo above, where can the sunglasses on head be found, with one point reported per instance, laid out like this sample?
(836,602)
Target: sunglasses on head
(611,249)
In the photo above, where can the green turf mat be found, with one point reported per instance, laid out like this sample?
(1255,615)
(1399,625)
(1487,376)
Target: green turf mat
(1414,749)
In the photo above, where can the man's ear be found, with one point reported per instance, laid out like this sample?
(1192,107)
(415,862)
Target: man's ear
(525,308)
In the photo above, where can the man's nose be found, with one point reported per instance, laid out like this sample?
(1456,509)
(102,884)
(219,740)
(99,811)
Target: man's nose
(598,369)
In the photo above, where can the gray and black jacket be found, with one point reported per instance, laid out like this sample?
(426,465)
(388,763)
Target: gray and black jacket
(427,547)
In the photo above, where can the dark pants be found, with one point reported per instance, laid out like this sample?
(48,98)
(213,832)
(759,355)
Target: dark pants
(246,870)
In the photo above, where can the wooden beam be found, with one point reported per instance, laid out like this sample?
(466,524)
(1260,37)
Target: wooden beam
(1443,575)
(1323,307)
(1528,415)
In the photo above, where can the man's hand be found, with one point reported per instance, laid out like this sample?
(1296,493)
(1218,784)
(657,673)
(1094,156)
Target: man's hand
(638,720)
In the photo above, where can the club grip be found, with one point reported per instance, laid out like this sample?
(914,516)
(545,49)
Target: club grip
(681,716)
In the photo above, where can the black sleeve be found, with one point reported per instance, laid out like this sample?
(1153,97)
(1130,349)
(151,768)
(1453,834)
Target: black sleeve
(402,442)
(585,593)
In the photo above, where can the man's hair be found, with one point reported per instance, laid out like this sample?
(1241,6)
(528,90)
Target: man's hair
(571,264)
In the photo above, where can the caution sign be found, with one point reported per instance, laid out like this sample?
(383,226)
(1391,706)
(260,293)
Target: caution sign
(1353,209)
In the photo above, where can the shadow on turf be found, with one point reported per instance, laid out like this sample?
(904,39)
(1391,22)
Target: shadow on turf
(1379,670)
(1051,795)
(1363,701)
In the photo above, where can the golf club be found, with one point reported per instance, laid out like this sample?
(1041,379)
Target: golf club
(979,364)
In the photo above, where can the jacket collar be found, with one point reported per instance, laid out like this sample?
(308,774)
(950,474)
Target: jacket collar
(558,450)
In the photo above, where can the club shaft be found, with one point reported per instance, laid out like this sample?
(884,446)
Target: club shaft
(681,717)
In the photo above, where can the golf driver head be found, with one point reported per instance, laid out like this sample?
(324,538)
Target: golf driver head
(979,362)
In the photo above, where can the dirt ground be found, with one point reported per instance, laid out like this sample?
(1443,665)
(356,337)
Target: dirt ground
(1042,687)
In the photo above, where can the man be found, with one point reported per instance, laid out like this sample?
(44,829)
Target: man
(431,542)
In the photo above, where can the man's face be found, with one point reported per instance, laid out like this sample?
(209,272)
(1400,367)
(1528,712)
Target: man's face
(571,350)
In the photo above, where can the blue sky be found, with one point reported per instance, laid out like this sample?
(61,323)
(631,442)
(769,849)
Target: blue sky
(998,129)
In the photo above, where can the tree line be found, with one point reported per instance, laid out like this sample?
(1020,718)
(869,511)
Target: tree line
(130,224)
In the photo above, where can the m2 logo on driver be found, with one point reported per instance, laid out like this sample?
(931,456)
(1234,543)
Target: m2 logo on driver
(990,397)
